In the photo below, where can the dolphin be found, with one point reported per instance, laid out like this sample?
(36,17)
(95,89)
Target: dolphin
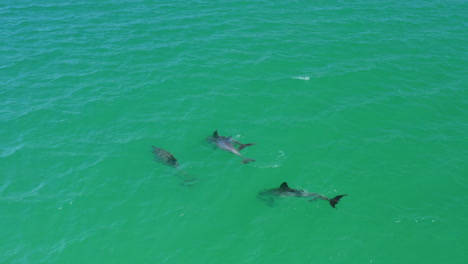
(167,158)
(227,143)
(285,190)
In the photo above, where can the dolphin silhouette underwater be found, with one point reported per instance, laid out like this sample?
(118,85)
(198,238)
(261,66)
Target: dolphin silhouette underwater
(167,158)
(285,190)
(227,143)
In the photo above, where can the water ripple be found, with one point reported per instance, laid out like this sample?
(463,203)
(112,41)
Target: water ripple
(355,96)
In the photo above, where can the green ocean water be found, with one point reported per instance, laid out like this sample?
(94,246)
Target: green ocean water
(365,98)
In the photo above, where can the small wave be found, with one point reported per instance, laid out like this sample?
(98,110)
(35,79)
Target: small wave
(11,151)
(304,78)
(19,197)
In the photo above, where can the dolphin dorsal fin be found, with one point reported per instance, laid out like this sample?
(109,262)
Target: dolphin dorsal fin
(284,185)
(215,134)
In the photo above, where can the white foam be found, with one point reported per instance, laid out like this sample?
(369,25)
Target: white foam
(304,78)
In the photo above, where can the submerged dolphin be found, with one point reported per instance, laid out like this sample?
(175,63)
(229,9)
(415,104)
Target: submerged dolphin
(165,157)
(227,143)
(285,190)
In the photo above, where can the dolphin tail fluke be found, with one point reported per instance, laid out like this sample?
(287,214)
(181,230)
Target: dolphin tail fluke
(335,200)
(242,146)
(189,180)
(247,160)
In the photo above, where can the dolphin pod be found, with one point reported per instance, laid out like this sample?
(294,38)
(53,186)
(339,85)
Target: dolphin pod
(233,146)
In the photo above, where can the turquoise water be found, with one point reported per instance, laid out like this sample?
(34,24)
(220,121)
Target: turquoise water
(365,98)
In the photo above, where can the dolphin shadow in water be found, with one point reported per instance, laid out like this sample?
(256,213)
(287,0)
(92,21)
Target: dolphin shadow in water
(284,190)
(167,158)
(227,143)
